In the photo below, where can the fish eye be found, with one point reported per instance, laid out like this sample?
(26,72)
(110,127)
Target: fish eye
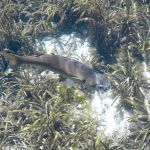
(100,87)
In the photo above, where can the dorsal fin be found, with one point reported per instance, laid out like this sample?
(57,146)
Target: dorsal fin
(37,54)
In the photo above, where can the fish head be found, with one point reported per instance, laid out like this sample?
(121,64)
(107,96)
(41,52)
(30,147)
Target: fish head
(97,82)
(102,82)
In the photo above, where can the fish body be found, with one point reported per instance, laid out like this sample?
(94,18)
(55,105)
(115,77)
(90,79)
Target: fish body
(72,69)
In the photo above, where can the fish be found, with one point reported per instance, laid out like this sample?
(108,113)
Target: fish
(67,67)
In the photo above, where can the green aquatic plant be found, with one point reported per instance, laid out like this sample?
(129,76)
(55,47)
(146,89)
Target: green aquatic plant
(40,111)
(59,14)
(141,46)
(39,114)
(109,23)
(45,18)
(12,27)
(8,12)
(88,8)
(92,12)
(127,74)
(139,136)
(50,11)
(129,87)
(139,126)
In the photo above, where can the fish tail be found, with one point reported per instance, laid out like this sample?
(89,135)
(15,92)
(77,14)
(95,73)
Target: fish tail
(14,60)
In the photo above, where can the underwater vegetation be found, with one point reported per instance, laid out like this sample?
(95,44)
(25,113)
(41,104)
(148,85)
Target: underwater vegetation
(39,112)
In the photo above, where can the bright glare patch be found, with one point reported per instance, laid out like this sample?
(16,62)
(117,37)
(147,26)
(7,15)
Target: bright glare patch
(103,109)
(8,70)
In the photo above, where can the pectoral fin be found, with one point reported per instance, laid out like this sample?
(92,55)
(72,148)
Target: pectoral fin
(40,69)
(82,79)
(68,82)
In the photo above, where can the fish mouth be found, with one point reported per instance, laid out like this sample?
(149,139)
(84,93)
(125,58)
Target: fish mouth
(106,89)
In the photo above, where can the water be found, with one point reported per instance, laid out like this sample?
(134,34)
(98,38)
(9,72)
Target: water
(102,108)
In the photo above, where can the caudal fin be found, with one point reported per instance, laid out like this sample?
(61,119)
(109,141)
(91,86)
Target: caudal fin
(14,60)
